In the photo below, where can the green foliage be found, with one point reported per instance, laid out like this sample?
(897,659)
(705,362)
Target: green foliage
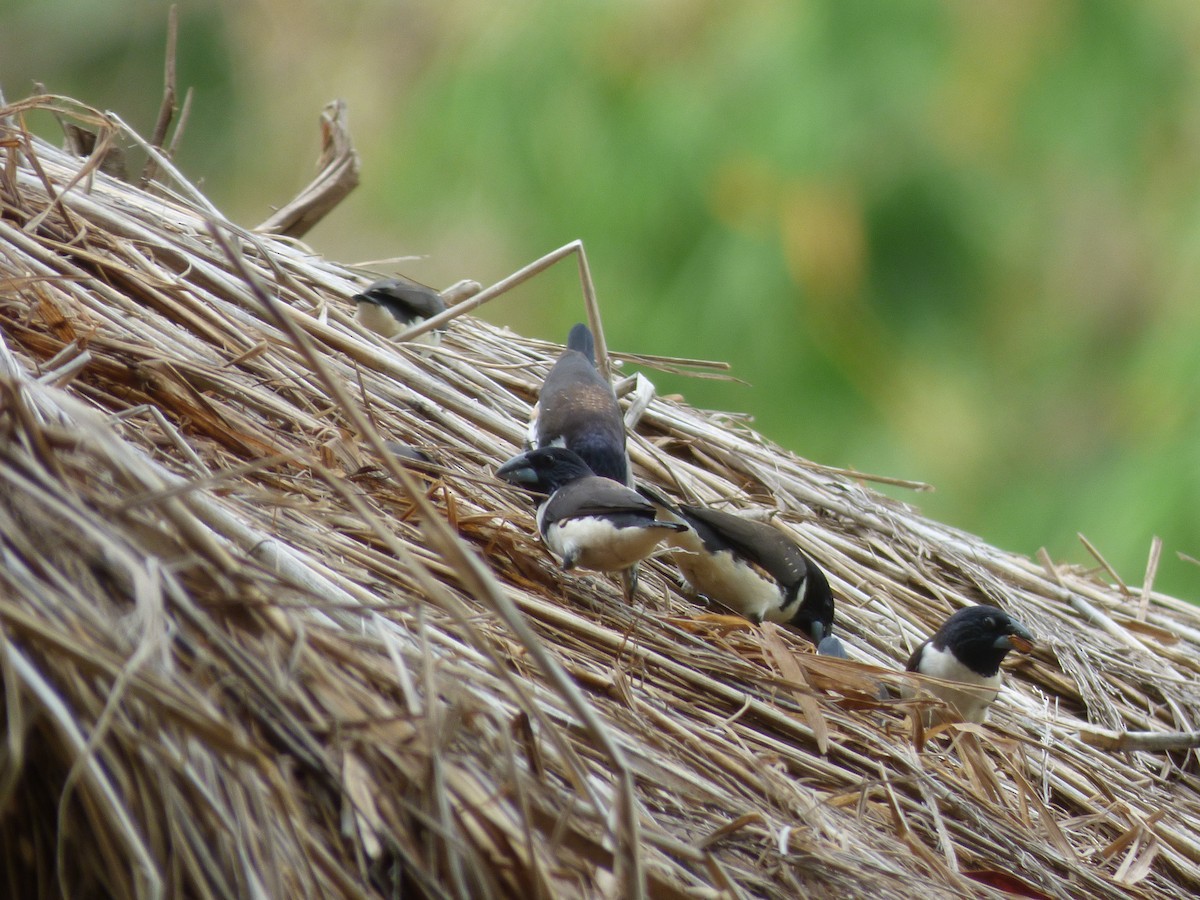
(944,241)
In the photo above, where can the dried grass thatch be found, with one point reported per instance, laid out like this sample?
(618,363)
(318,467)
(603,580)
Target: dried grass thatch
(243,654)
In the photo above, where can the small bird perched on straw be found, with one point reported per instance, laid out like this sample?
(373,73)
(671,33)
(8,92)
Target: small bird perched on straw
(969,648)
(393,305)
(577,409)
(752,568)
(587,521)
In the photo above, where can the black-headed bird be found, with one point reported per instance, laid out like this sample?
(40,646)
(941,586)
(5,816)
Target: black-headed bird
(588,521)
(753,569)
(969,648)
(577,409)
(393,305)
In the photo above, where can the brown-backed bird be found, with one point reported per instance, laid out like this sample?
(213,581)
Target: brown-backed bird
(587,521)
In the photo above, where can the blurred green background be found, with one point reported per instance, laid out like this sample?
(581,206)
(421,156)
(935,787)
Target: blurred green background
(946,241)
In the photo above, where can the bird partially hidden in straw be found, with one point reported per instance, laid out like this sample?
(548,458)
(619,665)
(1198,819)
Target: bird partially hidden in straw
(587,521)
(753,569)
(393,305)
(968,649)
(577,409)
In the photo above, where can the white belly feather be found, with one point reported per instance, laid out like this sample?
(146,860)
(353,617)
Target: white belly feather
(596,544)
(729,581)
(375,318)
(971,704)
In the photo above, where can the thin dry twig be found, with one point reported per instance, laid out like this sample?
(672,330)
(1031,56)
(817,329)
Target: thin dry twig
(166,110)
(1151,741)
(337,176)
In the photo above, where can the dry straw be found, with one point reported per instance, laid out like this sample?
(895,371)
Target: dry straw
(244,654)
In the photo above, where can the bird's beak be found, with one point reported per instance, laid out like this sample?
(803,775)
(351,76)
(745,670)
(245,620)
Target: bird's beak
(830,645)
(517,471)
(818,631)
(1018,639)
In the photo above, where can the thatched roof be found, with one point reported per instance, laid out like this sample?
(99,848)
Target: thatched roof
(244,653)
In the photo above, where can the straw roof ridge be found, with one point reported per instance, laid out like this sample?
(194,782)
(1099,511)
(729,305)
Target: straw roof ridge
(245,652)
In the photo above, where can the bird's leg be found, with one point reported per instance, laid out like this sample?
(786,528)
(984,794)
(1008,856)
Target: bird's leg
(629,582)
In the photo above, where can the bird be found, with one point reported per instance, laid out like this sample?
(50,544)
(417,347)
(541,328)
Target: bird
(392,305)
(754,569)
(969,648)
(588,521)
(577,409)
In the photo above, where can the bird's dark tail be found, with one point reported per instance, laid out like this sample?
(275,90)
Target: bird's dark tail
(666,512)
(581,339)
(658,498)
(831,646)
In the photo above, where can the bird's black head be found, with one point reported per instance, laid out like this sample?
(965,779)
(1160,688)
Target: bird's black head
(981,636)
(544,470)
(815,615)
